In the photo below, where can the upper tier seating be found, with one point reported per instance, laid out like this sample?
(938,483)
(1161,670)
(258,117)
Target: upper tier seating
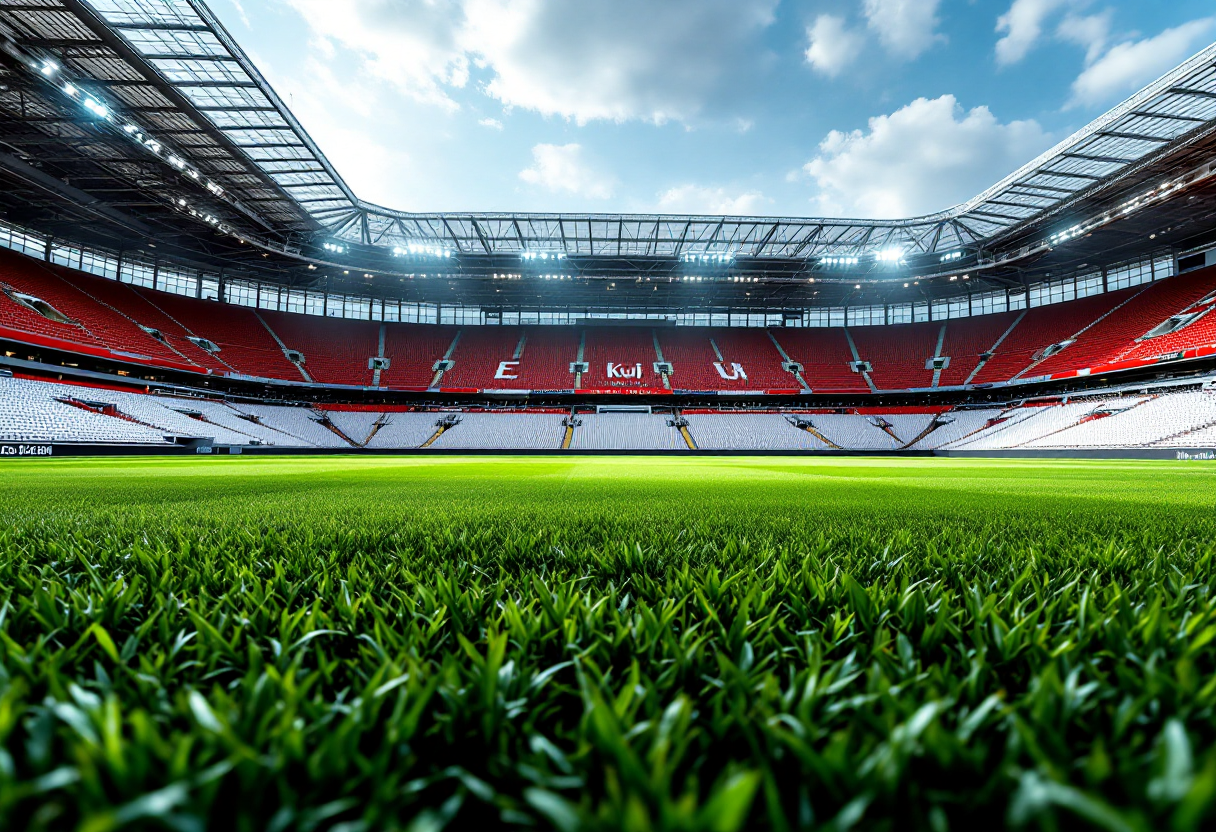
(335,351)
(543,362)
(1042,327)
(505,431)
(548,353)
(412,350)
(626,432)
(106,325)
(245,344)
(750,432)
(1200,333)
(626,347)
(479,355)
(967,339)
(108,317)
(1113,335)
(690,351)
(825,357)
(15,316)
(755,350)
(126,300)
(897,353)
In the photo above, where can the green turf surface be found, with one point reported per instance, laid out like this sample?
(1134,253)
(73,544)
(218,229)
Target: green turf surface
(612,643)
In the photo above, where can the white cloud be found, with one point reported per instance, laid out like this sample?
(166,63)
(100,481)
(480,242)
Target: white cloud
(924,157)
(1022,26)
(696,199)
(833,46)
(617,61)
(561,168)
(1090,32)
(240,11)
(411,44)
(906,27)
(492,123)
(1127,67)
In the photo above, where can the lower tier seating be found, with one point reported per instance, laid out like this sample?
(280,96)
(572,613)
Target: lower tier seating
(626,432)
(504,431)
(44,411)
(748,432)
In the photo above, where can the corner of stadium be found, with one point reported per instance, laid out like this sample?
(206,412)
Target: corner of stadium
(317,514)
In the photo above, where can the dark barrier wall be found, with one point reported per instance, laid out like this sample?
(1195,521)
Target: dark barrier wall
(17,450)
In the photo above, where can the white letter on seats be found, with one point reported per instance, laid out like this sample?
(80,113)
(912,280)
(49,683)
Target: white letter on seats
(505,369)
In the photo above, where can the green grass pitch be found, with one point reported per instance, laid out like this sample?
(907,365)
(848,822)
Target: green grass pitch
(606,643)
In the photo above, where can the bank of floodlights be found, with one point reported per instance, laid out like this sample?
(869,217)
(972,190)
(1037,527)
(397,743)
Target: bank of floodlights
(335,248)
(952,256)
(839,262)
(422,250)
(530,256)
(707,258)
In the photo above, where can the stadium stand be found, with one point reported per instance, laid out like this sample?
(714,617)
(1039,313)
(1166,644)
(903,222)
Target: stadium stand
(627,352)
(103,317)
(245,343)
(626,431)
(898,353)
(856,432)
(756,351)
(400,430)
(224,415)
(504,431)
(44,411)
(1198,331)
(690,351)
(480,355)
(967,341)
(1108,338)
(1042,328)
(1038,422)
(32,411)
(357,426)
(1141,422)
(300,422)
(412,350)
(20,318)
(825,356)
(335,351)
(108,326)
(750,432)
(954,427)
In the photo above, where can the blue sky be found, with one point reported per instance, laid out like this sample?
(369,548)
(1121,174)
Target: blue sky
(855,108)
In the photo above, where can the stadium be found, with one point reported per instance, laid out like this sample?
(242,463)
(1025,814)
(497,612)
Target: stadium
(325,515)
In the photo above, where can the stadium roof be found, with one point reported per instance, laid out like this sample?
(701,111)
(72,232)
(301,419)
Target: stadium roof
(167,71)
